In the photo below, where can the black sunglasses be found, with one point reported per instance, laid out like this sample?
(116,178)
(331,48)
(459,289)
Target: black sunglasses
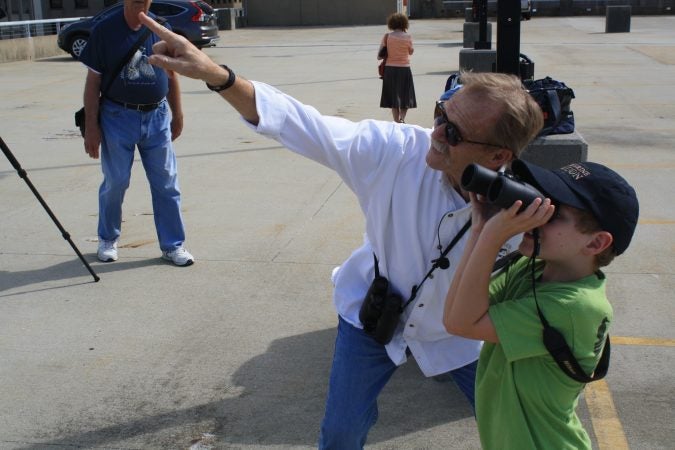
(452,134)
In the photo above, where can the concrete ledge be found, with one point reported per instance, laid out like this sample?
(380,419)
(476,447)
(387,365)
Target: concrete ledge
(617,19)
(477,60)
(556,150)
(472,33)
(29,48)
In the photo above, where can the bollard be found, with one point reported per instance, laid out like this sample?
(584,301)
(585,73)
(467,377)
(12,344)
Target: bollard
(556,150)
(468,15)
(226,19)
(617,19)
(471,33)
(477,60)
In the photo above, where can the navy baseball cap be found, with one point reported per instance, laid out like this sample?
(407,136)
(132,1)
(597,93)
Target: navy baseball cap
(590,187)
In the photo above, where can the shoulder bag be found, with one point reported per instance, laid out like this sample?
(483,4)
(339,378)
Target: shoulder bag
(382,54)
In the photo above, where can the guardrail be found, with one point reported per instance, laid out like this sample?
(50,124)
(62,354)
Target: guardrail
(30,28)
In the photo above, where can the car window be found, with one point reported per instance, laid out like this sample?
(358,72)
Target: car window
(204,7)
(165,10)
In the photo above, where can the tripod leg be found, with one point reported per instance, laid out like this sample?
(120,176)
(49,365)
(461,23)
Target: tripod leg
(22,174)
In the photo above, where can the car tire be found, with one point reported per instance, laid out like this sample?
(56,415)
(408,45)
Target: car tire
(77,44)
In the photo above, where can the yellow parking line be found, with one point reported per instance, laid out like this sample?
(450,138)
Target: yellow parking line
(655,342)
(656,222)
(643,166)
(606,423)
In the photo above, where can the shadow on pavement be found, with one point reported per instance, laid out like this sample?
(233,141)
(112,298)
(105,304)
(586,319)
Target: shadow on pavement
(277,398)
(64,271)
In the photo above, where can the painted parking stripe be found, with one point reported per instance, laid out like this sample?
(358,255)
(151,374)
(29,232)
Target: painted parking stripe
(606,424)
(656,222)
(652,342)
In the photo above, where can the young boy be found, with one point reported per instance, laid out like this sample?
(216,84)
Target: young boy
(523,399)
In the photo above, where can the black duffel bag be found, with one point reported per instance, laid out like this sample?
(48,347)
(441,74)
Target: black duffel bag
(554,98)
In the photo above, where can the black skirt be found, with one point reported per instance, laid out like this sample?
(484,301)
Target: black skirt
(398,90)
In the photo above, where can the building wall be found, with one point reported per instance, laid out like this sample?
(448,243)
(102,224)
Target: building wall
(427,9)
(333,12)
(317,12)
(58,9)
(217,4)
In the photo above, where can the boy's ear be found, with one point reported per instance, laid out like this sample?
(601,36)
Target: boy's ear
(600,241)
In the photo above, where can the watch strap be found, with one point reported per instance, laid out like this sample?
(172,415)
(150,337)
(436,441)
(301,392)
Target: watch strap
(228,83)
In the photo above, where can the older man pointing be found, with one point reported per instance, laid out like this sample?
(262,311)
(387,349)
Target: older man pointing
(407,181)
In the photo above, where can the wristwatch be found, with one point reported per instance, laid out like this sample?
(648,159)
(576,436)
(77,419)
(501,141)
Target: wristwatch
(228,83)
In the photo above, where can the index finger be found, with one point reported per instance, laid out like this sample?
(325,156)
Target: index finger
(156,28)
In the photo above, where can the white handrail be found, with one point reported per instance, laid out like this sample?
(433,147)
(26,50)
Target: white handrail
(31,22)
(29,28)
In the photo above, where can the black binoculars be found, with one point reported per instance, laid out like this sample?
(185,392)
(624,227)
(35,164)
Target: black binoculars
(498,188)
(380,311)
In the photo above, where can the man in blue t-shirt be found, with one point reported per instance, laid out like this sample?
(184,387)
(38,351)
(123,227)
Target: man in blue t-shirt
(126,109)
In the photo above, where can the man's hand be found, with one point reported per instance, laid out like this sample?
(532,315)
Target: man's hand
(92,140)
(481,211)
(176,127)
(176,53)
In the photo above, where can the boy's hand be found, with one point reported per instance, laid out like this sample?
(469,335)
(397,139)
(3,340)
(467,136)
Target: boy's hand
(481,211)
(509,222)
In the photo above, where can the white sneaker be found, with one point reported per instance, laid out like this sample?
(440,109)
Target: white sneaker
(107,251)
(179,257)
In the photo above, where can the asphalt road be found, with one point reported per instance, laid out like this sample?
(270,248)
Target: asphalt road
(234,351)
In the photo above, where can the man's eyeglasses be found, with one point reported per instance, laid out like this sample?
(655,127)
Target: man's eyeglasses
(452,134)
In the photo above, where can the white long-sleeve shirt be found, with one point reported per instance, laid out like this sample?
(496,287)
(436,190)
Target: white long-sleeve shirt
(408,207)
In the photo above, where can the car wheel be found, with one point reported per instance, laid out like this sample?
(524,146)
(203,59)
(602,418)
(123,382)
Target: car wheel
(77,44)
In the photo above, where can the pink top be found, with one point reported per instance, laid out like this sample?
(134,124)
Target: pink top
(399,48)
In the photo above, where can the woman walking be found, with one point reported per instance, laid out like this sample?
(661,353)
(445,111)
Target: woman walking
(398,90)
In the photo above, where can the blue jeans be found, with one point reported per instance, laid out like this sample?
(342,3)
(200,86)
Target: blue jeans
(361,369)
(122,131)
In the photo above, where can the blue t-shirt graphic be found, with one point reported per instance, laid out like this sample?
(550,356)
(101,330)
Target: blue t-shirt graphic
(138,70)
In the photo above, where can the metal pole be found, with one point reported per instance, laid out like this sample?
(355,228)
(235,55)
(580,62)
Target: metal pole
(64,233)
(482,42)
(508,36)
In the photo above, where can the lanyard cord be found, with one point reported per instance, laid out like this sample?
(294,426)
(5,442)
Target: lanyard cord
(555,342)
(416,288)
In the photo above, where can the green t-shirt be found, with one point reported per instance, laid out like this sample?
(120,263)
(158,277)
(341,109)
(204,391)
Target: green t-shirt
(523,399)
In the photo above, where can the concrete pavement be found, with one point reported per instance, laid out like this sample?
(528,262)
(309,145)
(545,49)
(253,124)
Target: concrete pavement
(234,351)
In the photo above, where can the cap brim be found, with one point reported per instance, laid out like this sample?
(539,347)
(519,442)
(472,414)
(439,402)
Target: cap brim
(548,182)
